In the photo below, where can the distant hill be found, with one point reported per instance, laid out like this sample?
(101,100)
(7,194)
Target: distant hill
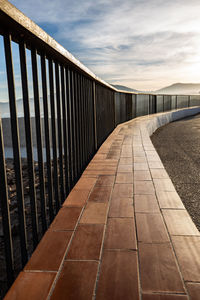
(181,89)
(5,110)
(124,88)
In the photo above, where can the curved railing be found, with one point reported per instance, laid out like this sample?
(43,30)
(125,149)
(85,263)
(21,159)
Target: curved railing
(67,113)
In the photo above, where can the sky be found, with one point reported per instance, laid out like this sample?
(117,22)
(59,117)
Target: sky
(143,44)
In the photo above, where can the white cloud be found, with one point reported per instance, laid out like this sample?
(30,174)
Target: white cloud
(140,43)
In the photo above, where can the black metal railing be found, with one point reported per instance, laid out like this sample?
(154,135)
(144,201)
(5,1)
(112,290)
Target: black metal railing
(74,112)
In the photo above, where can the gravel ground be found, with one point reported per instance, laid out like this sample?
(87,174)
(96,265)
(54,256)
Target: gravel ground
(178,145)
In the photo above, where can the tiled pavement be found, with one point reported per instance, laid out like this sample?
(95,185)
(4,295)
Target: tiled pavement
(123,232)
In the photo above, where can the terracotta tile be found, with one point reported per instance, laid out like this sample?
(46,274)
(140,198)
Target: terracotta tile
(146,203)
(77,198)
(127,148)
(153,158)
(156,165)
(188,254)
(159,174)
(128,139)
(104,180)
(114,154)
(86,244)
(164,297)
(138,149)
(101,166)
(85,183)
(159,272)
(118,276)
(95,213)
(151,153)
(50,251)
(140,160)
(115,147)
(86,175)
(164,185)
(179,222)
(126,154)
(169,200)
(124,178)
(31,285)
(72,284)
(99,156)
(151,228)
(126,161)
(66,218)
(125,168)
(142,175)
(149,148)
(120,234)
(121,207)
(99,172)
(193,290)
(140,166)
(139,153)
(122,191)
(100,194)
(143,187)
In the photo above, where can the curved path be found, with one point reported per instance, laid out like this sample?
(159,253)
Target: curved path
(178,145)
(122,233)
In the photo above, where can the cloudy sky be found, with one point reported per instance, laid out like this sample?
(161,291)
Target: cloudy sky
(144,44)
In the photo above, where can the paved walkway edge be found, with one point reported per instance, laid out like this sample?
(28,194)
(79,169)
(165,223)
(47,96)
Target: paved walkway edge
(123,232)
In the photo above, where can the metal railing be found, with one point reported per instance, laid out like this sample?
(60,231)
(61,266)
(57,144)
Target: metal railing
(79,112)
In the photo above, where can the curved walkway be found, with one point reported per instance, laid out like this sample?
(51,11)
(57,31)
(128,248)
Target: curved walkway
(123,232)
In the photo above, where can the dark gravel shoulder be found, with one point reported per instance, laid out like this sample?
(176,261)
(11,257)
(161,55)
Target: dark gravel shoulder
(178,145)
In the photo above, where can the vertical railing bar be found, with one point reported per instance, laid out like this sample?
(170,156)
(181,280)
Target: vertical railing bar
(63,89)
(93,117)
(39,138)
(163,103)
(4,204)
(29,145)
(16,147)
(60,143)
(84,120)
(47,137)
(90,118)
(77,121)
(54,137)
(78,124)
(136,105)
(81,122)
(74,150)
(69,125)
(87,117)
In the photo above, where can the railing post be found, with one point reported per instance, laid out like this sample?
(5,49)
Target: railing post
(4,204)
(16,148)
(29,145)
(95,114)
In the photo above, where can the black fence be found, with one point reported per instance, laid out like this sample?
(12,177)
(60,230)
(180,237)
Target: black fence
(71,114)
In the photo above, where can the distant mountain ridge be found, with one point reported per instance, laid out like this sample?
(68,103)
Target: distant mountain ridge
(124,88)
(181,89)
